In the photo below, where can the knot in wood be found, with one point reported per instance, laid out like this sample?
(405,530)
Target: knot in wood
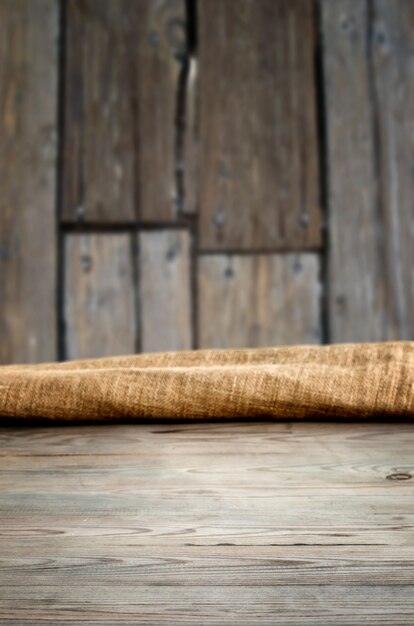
(399,476)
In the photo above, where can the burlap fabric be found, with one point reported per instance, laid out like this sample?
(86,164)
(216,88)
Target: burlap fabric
(338,381)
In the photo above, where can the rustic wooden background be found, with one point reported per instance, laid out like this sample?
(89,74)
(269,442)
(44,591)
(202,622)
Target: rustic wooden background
(178,174)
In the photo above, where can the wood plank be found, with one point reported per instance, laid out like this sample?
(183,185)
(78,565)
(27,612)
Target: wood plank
(99,170)
(120,99)
(259,186)
(258,300)
(369,119)
(162,45)
(165,290)
(28,103)
(270,523)
(393,58)
(191,145)
(284,605)
(99,295)
(358,301)
(202,604)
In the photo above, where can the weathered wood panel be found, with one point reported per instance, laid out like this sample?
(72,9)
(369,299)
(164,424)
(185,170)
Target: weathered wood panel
(191,146)
(358,299)
(99,298)
(259,186)
(207,523)
(120,100)
(370,153)
(393,68)
(28,103)
(165,296)
(100,151)
(162,36)
(258,300)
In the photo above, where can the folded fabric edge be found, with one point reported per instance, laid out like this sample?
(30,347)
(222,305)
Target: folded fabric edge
(342,381)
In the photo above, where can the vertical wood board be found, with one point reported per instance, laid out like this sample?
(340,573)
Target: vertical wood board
(258,300)
(99,295)
(100,152)
(165,291)
(120,105)
(259,181)
(191,145)
(28,104)
(162,43)
(393,60)
(357,297)
(368,96)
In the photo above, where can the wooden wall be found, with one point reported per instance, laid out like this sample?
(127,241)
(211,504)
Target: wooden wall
(179,174)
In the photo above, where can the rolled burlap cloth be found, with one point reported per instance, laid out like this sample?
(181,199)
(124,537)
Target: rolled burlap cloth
(338,381)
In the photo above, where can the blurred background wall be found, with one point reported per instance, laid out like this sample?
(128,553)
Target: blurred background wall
(179,174)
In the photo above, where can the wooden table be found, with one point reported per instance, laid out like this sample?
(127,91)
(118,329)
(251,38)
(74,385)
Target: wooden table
(220,523)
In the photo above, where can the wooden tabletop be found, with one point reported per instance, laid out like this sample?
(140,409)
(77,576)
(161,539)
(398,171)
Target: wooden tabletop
(220,523)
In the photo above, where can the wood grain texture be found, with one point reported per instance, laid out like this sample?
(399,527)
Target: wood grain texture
(99,298)
(100,152)
(259,186)
(191,145)
(368,63)
(393,68)
(162,33)
(165,290)
(358,301)
(120,99)
(258,300)
(288,523)
(28,102)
